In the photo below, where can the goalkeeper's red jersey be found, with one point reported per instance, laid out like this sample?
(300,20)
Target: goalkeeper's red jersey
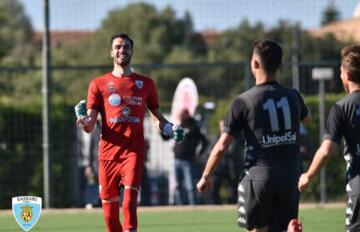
(122,102)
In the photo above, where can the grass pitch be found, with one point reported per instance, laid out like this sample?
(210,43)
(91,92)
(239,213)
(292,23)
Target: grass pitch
(171,219)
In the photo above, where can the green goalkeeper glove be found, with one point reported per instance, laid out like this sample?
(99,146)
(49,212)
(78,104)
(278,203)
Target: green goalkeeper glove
(178,134)
(80,109)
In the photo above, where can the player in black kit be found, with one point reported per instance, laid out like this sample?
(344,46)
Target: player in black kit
(270,116)
(344,121)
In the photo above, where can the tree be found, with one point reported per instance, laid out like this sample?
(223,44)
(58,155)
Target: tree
(155,33)
(234,45)
(15,34)
(330,14)
(16,49)
(159,36)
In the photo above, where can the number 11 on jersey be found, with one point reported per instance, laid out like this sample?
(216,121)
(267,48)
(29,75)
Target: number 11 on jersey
(271,106)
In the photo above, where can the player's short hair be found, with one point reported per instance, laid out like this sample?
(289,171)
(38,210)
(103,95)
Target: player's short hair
(350,60)
(270,53)
(123,36)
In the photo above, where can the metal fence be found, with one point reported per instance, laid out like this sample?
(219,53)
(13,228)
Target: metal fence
(76,60)
(72,151)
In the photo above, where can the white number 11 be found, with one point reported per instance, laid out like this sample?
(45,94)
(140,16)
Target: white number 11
(283,104)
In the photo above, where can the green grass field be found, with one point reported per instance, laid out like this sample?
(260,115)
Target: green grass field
(171,220)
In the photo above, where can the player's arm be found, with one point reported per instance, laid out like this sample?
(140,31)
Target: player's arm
(322,155)
(215,156)
(160,120)
(175,132)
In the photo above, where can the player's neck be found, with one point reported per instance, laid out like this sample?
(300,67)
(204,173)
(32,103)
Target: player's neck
(261,79)
(353,87)
(119,71)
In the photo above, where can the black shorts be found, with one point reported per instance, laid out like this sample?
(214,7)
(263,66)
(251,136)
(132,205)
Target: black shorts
(267,203)
(352,212)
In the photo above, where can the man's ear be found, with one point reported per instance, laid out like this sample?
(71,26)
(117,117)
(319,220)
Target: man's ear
(256,63)
(111,54)
(347,75)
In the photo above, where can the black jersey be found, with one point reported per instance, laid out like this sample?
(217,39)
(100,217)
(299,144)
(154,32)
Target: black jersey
(344,121)
(270,116)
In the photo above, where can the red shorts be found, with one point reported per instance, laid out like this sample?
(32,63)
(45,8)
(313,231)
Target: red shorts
(126,171)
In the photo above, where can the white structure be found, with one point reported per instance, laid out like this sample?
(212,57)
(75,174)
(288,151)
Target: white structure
(357,11)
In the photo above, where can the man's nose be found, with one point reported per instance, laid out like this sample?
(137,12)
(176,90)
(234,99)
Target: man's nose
(122,49)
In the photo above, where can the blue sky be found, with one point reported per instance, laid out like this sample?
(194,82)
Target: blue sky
(207,14)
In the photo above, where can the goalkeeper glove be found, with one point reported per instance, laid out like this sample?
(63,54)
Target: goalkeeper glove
(177,133)
(80,110)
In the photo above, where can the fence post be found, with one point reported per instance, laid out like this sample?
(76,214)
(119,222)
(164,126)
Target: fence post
(322,74)
(46,80)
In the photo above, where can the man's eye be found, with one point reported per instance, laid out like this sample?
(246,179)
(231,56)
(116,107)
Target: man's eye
(121,46)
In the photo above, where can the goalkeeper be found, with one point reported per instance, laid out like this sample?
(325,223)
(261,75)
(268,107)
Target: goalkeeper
(121,97)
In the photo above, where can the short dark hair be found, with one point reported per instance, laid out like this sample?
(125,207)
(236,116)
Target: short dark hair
(270,53)
(123,36)
(350,60)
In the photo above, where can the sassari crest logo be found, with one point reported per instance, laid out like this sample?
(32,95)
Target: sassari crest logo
(26,214)
(26,210)
(139,83)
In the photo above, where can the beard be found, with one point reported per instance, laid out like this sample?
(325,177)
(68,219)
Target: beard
(123,62)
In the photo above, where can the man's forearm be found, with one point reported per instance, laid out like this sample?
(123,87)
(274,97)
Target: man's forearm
(212,162)
(158,119)
(216,155)
(321,157)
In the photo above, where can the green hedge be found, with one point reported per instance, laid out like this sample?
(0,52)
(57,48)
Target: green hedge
(335,169)
(21,155)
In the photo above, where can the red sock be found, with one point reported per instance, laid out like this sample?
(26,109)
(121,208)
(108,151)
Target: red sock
(111,215)
(129,206)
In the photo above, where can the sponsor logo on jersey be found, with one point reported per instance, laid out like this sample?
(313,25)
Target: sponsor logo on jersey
(139,84)
(111,87)
(114,99)
(126,111)
(130,119)
(26,210)
(133,100)
(271,140)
